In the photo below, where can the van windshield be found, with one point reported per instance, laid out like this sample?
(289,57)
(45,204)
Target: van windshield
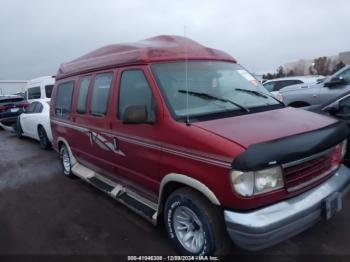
(212,87)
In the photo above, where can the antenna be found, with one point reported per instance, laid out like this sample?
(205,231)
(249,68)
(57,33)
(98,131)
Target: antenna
(186,82)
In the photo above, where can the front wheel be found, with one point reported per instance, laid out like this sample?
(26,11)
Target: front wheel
(195,226)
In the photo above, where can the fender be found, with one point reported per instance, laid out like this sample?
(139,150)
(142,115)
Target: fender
(189,181)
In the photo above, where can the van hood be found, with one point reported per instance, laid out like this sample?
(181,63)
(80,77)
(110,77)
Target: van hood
(250,129)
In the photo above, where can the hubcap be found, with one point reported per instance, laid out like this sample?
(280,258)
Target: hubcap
(65,161)
(188,229)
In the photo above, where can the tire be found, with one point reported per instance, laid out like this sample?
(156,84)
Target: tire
(194,225)
(19,131)
(66,162)
(43,139)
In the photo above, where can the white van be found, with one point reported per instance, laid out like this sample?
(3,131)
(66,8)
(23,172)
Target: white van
(39,88)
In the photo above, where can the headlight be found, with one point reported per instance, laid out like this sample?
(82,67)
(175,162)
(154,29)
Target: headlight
(279,97)
(254,183)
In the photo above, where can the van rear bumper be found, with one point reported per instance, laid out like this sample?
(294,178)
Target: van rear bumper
(272,224)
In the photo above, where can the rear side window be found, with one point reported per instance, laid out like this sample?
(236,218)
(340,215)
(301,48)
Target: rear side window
(34,92)
(64,100)
(135,90)
(31,108)
(48,91)
(83,91)
(99,99)
(39,108)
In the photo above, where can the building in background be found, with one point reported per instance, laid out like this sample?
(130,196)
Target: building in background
(301,67)
(9,87)
(345,57)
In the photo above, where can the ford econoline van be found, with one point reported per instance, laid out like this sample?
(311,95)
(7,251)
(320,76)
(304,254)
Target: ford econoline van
(181,133)
(39,89)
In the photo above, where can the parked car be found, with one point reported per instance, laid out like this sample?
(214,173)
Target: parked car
(277,84)
(180,132)
(329,88)
(35,123)
(10,107)
(39,88)
(339,108)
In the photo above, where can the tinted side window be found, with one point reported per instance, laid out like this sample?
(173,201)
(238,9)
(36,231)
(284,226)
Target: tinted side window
(280,84)
(83,91)
(135,90)
(34,92)
(64,100)
(344,105)
(39,108)
(48,90)
(100,94)
(346,76)
(270,86)
(31,108)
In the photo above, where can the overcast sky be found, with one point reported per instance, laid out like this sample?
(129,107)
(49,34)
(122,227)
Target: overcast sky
(38,35)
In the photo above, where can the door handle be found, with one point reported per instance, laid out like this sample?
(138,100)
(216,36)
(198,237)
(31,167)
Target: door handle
(115,143)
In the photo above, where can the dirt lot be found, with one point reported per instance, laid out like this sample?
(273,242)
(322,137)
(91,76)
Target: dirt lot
(42,212)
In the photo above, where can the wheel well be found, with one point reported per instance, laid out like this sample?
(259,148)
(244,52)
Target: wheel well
(40,126)
(166,192)
(299,104)
(168,189)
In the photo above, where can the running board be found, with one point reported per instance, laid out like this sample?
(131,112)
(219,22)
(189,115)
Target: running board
(138,204)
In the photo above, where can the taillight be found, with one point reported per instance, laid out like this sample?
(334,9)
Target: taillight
(24,105)
(339,153)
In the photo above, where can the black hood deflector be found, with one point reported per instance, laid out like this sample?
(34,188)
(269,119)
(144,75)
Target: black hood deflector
(288,149)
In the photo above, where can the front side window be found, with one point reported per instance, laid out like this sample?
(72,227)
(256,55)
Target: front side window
(270,86)
(346,76)
(208,88)
(48,90)
(83,92)
(99,100)
(135,90)
(64,100)
(34,93)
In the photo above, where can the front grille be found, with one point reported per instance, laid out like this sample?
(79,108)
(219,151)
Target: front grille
(307,172)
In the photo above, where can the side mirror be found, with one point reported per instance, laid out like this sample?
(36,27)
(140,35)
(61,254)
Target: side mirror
(136,114)
(335,81)
(331,110)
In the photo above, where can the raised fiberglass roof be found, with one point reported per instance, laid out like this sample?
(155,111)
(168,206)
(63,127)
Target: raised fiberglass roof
(155,49)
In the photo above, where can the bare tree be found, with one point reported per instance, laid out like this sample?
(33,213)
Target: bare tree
(338,66)
(321,66)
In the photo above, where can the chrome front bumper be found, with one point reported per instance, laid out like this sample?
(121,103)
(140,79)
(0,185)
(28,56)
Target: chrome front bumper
(267,226)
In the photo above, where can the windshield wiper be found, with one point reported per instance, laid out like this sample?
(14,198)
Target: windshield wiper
(211,97)
(257,93)
(252,92)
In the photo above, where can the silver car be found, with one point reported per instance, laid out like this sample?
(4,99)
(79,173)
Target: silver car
(303,95)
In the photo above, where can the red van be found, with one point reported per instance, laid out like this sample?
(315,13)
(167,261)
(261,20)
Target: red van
(182,133)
